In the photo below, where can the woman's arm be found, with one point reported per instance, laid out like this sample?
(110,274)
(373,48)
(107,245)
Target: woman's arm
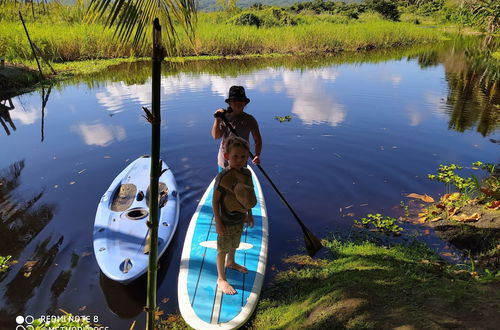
(216,130)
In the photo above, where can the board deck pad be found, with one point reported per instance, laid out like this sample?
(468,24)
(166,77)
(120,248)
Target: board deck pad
(201,302)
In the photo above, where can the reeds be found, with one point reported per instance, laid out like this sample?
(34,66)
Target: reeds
(63,40)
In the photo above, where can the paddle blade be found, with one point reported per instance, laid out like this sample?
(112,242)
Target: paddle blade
(313,244)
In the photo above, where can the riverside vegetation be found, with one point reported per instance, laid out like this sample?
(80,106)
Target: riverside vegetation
(61,33)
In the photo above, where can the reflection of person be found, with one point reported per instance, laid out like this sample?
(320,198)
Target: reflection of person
(232,204)
(242,122)
(5,115)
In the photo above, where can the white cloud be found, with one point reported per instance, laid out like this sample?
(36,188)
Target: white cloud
(311,102)
(436,102)
(99,134)
(414,114)
(26,115)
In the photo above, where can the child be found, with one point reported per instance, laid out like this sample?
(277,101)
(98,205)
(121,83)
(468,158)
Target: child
(232,204)
(242,122)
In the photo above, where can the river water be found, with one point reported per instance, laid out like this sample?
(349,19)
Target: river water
(365,130)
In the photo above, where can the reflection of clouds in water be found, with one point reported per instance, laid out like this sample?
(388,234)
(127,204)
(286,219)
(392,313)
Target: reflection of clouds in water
(436,103)
(415,114)
(112,97)
(99,134)
(393,78)
(396,79)
(261,81)
(313,110)
(387,76)
(26,116)
(311,101)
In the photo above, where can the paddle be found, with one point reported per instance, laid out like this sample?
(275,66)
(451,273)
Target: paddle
(313,244)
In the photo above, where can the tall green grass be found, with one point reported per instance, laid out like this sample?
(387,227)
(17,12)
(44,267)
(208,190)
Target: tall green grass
(63,36)
(321,36)
(61,42)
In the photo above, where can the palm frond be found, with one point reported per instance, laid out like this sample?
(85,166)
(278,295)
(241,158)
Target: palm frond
(131,19)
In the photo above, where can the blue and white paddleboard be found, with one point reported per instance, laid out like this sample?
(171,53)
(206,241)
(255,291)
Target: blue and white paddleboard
(202,304)
(120,229)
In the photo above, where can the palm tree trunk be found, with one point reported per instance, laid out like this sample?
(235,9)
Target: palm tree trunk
(155,174)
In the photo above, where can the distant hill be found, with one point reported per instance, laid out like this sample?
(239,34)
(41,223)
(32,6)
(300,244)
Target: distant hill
(211,5)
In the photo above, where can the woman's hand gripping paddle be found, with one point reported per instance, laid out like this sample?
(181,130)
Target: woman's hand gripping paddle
(313,244)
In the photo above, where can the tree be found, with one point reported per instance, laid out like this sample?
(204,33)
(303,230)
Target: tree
(386,8)
(228,5)
(132,19)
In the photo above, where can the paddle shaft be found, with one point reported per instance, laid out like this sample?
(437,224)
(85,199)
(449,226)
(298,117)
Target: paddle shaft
(231,128)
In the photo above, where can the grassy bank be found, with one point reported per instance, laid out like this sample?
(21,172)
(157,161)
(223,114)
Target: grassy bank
(364,285)
(320,36)
(63,36)
(369,286)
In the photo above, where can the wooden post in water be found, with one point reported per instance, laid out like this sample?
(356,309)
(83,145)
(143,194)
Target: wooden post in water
(157,58)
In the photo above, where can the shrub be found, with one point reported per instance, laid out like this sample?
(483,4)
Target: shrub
(431,7)
(247,19)
(275,16)
(386,8)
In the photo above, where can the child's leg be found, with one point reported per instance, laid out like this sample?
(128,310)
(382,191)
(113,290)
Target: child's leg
(231,263)
(221,260)
(221,279)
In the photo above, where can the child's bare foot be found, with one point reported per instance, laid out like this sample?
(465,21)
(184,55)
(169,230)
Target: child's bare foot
(240,268)
(226,287)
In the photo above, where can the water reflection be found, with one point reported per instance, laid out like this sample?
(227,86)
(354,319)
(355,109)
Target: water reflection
(126,301)
(472,74)
(19,291)
(312,102)
(26,115)
(21,219)
(45,99)
(99,134)
(472,99)
(5,107)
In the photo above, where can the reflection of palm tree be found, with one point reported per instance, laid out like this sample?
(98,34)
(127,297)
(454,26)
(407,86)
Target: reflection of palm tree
(22,287)
(20,220)
(461,96)
(61,283)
